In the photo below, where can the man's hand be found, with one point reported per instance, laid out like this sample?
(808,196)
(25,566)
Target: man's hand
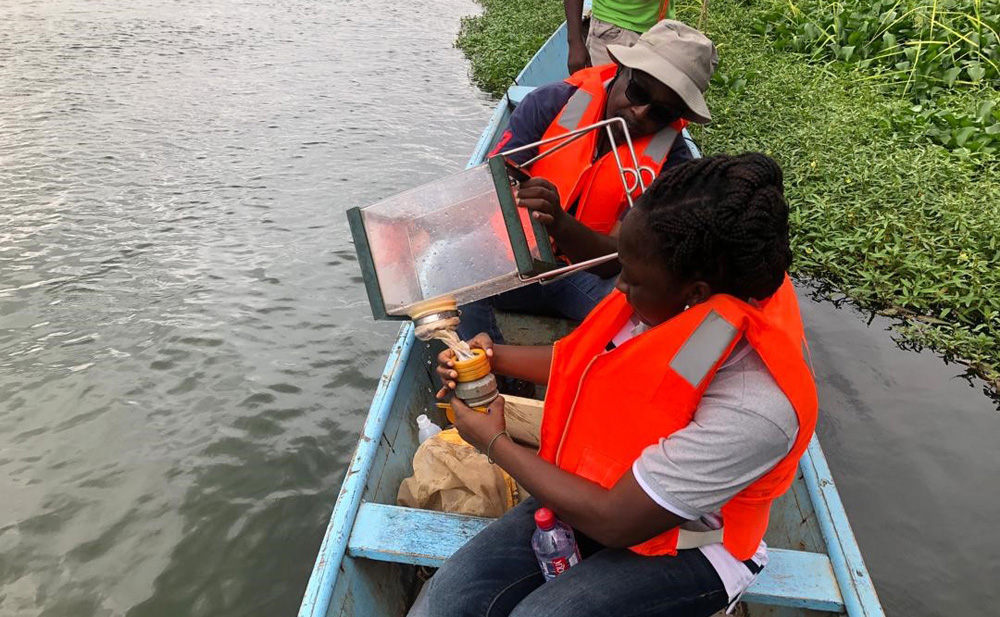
(541,197)
(579,57)
(478,428)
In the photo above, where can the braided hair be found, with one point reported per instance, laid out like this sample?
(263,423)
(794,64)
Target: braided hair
(724,220)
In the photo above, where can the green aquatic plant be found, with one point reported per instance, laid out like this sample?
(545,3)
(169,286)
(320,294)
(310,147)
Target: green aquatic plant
(926,50)
(879,211)
(500,42)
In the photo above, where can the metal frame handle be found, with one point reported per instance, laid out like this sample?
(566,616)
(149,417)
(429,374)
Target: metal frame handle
(553,275)
(564,140)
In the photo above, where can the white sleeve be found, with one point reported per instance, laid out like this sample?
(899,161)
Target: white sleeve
(742,428)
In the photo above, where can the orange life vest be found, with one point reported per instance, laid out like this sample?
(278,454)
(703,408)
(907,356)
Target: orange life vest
(603,408)
(595,186)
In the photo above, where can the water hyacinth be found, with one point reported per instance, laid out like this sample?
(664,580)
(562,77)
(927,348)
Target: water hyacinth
(926,50)
(915,232)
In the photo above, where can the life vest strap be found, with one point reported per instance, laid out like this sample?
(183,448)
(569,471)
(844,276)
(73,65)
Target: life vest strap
(694,539)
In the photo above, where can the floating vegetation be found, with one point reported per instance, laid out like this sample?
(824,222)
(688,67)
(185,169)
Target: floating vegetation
(502,40)
(902,219)
(925,50)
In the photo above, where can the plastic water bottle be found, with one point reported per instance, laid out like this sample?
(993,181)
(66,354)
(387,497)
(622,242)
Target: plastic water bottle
(425,428)
(554,544)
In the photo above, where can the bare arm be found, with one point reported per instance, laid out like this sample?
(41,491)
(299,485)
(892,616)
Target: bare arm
(580,243)
(527,362)
(578,56)
(575,240)
(618,517)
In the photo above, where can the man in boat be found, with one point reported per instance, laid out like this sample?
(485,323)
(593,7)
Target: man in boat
(656,87)
(684,401)
(612,22)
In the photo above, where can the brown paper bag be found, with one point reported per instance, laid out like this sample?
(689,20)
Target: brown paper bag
(449,475)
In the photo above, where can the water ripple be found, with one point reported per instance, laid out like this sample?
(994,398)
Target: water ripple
(185,353)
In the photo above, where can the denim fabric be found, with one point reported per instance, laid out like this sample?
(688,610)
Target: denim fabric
(572,297)
(495,575)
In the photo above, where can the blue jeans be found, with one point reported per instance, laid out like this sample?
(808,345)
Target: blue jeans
(495,575)
(572,297)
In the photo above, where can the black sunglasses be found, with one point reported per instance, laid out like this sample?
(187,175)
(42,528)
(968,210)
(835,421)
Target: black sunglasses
(637,94)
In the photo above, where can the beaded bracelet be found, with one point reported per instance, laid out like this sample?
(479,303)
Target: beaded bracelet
(489,448)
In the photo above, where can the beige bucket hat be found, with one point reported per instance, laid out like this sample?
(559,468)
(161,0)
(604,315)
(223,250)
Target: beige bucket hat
(678,56)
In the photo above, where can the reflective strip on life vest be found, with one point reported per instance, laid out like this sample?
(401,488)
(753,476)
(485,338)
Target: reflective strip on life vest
(704,348)
(575,107)
(695,539)
(808,357)
(659,146)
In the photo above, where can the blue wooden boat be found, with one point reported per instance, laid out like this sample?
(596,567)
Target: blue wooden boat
(368,561)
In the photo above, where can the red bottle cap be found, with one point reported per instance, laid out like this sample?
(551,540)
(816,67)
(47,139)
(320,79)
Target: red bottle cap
(545,519)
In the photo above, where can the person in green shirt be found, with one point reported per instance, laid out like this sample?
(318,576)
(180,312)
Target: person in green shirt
(613,22)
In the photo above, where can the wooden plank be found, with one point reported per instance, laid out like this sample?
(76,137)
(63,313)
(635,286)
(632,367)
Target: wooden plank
(797,579)
(395,459)
(793,522)
(549,62)
(422,537)
(520,329)
(516,94)
(408,535)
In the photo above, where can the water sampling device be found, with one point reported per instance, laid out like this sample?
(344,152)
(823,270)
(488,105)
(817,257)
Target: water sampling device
(426,251)
(462,238)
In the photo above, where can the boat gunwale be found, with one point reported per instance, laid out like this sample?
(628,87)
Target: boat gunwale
(322,580)
(849,568)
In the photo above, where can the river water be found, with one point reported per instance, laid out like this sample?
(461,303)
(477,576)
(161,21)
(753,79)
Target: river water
(185,350)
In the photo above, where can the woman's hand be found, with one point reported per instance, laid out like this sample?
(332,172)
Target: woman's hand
(478,428)
(446,362)
(541,197)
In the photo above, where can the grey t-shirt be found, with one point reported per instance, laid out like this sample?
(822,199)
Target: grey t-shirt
(742,427)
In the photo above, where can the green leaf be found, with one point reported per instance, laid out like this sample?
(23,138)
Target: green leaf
(847,52)
(951,75)
(963,134)
(976,72)
(984,111)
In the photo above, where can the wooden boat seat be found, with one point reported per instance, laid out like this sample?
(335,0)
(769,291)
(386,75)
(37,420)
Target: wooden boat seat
(516,94)
(421,537)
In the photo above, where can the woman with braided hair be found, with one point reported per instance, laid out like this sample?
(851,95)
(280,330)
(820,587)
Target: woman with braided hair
(675,414)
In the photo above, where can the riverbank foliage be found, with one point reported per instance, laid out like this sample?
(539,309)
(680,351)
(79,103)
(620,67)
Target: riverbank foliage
(928,51)
(500,42)
(886,208)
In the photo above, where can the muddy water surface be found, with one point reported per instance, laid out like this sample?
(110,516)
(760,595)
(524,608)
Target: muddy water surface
(913,446)
(186,352)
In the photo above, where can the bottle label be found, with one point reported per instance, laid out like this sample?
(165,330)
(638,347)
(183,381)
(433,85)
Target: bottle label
(554,567)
